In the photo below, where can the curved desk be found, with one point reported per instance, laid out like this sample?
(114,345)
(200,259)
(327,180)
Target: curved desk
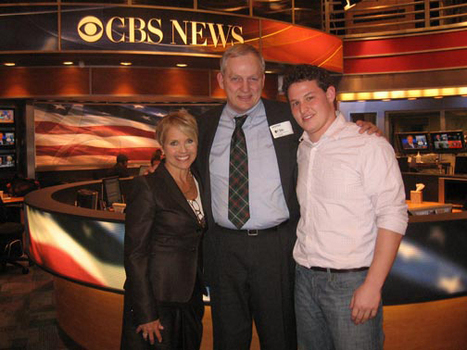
(425,295)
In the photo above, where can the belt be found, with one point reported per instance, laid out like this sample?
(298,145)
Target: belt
(328,269)
(253,233)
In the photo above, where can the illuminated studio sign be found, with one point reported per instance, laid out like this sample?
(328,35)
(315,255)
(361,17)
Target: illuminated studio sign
(118,29)
(143,29)
(138,30)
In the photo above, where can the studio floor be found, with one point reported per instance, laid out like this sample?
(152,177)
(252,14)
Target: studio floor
(27,312)
(28,317)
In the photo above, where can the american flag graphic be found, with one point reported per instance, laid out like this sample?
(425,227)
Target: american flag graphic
(78,134)
(63,244)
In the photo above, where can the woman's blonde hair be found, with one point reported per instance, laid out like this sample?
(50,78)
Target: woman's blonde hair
(180,119)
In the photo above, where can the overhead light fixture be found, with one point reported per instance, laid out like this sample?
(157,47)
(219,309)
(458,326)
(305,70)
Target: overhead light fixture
(403,94)
(182,65)
(348,4)
(126,63)
(269,72)
(9,64)
(67,63)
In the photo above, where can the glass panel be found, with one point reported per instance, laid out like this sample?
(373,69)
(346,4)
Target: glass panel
(231,6)
(273,9)
(308,13)
(168,3)
(415,121)
(26,1)
(456,120)
(95,2)
(368,117)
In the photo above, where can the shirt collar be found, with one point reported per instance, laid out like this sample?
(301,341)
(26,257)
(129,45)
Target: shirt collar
(252,112)
(331,133)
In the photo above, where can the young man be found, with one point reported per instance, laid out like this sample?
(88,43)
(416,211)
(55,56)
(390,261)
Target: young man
(248,263)
(120,168)
(353,216)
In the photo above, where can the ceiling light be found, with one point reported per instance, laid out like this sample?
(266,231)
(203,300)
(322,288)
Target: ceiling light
(182,65)
(126,63)
(9,64)
(67,63)
(412,98)
(269,72)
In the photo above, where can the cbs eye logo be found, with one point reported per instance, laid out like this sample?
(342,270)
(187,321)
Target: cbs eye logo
(90,29)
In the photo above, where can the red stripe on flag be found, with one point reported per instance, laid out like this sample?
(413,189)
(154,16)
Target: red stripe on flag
(80,150)
(52,128)
(62,263)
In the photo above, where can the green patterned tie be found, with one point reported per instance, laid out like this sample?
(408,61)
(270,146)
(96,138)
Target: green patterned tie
(239,209)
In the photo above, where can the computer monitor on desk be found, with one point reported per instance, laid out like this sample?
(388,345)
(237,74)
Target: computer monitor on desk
(111,191)
(454,191)
(461,165)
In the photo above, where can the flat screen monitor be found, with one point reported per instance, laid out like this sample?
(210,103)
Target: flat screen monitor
(112,192)
(460,167)
(455,191)
(7,116)
(413,142)
(86,198)
(7,138)
(7,160)
(448,141)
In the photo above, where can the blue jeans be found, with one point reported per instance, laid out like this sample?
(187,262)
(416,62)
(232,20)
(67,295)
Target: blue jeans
(323,314)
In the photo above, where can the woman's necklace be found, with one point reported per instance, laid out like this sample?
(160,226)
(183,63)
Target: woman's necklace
(187,190)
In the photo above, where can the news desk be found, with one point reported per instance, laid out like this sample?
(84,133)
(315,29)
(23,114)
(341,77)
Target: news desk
(425,295)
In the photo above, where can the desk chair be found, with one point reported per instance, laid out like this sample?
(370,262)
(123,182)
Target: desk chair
(11,242)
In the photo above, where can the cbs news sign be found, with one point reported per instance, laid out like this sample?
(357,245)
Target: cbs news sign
(138,29)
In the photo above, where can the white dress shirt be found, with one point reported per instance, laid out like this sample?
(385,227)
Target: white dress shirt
(349,185)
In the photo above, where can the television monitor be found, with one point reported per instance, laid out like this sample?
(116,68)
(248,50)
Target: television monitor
(7,116)
(454,191)
(7,160)
(460,167)
(448,141)
(7,138)
(413,142)
(86,198)
(112,192)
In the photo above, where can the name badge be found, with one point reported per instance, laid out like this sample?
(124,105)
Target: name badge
(281,129)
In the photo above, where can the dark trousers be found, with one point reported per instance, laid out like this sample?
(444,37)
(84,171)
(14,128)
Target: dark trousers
(254,282)
(182,322)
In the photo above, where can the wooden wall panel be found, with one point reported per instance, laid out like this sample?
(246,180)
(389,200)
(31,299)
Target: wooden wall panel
(93,318)
(38,81)
(409,53)
(115,82)
(126,81)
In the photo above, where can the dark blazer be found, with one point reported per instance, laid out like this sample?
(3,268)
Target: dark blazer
(162,241)
(286,152)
